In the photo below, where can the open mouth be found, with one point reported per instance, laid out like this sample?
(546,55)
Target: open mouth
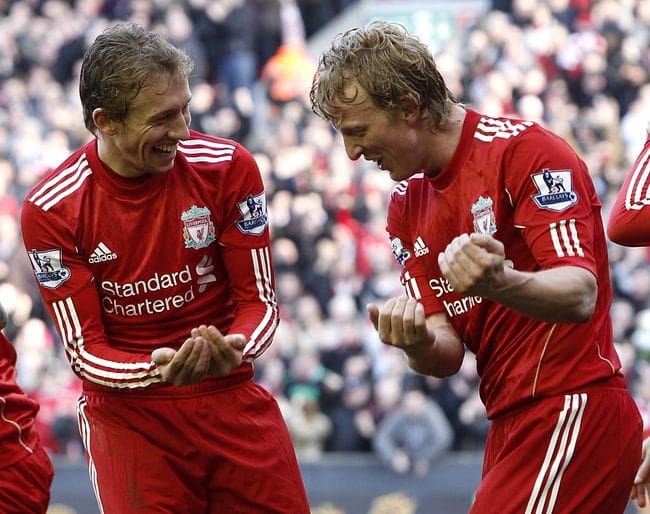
(165,150)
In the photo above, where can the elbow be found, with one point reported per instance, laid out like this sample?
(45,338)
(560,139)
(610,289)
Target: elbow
(585,304)
(583,314)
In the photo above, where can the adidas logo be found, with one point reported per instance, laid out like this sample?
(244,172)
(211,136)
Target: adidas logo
(101,254)
(420,248)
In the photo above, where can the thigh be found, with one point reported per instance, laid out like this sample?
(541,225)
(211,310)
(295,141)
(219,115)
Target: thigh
(254,462)
(25,485)
(575,454)
(139,457)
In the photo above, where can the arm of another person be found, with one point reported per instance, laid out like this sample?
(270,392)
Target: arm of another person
(642,479)
(629,219)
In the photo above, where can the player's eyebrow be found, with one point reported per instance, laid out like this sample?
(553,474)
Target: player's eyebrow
(168,112)
(353,129)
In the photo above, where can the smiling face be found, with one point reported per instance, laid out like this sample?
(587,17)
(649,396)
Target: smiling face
(390,138)
(146,141)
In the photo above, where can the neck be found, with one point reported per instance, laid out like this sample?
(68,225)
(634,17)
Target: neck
(443,141)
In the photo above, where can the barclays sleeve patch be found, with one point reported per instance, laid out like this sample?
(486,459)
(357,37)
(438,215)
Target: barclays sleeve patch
(48,267)
(400,253)
(555,190)
(254,216)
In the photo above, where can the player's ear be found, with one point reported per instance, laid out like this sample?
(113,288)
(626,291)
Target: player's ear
(104,122)
(409,108)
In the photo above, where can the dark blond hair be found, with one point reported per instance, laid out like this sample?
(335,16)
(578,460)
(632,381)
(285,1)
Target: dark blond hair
(389,64)
(119,64)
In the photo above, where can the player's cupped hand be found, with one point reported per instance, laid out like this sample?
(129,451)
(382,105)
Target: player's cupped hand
(206,351)
(187,365)
(400,322)
(226,351)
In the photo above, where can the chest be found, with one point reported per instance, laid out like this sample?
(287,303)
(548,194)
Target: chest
(122,237)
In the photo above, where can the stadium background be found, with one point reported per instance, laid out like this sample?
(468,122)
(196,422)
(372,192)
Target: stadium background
(579,67)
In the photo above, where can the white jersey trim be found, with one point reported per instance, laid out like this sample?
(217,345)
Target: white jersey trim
(637,194)
(63,184)
(262,336)
(201,150)
(84,429)
(138,374)
(488,129)
(566,240)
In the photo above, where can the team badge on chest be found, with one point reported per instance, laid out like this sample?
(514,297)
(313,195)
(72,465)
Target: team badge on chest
(484,219)
(198,229)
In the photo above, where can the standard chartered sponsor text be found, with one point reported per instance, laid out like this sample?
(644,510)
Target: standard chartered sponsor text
(441,286)
(114,291)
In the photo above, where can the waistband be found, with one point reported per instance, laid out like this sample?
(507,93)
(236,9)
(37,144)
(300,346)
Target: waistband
(612,383)
(212,383)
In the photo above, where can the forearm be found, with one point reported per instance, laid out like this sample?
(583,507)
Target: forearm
(440,356)
(559,295)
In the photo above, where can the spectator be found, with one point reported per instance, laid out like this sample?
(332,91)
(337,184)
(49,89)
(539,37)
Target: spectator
(308,426)
(414,436)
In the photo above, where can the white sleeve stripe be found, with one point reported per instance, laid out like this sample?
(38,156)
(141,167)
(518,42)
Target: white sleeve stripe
(570,240)
(560,450)
(81,360)
(42,197)
(59,177)
(634,198)
(263,334)
(93,358)
(576,238)
(556,241)
(68,191)
(213,160)
(565,239)
(411,287)
(206,143)
(207,151)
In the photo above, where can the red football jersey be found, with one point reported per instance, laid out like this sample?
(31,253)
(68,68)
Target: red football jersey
(526,187)
(129,265)
(629,220)
(18,436)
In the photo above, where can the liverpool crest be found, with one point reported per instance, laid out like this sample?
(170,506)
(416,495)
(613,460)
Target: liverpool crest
(198,229)
(484,220)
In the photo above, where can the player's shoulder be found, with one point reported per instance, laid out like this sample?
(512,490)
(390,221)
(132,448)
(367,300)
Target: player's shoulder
(502,131)
(65,181)
(207,151)
(406,188)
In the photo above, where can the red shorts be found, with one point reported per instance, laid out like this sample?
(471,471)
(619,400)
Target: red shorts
(198,449)
(572,454)
(25,485)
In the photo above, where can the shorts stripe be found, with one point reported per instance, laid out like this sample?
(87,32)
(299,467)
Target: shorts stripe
(84,429)
(560,451)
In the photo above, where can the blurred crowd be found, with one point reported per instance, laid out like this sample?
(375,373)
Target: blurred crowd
(579,67)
